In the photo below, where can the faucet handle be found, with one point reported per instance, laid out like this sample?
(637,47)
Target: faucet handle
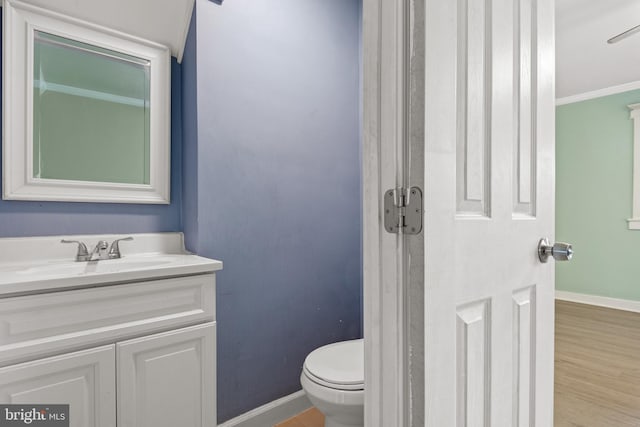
(83,253)
(114,251)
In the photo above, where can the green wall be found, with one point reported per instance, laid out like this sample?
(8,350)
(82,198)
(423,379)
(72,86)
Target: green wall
(594,149)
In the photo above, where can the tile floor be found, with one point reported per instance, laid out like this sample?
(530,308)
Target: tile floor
(309,418)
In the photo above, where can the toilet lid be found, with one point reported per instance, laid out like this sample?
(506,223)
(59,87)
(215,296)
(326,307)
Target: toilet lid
(339,365)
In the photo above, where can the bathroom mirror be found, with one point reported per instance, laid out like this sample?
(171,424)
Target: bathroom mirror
(86,111)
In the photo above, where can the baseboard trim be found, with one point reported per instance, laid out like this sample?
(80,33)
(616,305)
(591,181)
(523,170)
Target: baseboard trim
(618,304)
(273,412)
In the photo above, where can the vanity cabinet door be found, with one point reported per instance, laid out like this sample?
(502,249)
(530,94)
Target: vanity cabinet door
(85,380)
(168,379)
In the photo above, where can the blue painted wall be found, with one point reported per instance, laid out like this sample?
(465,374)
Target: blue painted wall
(278,184)
(19,218)
(190,136)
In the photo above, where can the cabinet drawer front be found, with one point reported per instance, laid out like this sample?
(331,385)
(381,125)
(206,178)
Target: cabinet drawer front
(84,380)
(34,325)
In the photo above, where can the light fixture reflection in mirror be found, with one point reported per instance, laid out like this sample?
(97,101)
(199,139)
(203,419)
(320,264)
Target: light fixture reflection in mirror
(91,113)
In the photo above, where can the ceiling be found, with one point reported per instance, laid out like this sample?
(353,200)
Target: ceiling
(161,21)
(584,60)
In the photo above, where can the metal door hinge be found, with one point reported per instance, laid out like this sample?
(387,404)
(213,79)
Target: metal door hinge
(403,210)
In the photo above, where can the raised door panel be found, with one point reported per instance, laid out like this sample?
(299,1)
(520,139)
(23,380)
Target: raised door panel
(524,311)
(472,360)
(474,60)
(85,380)
(525,105)
(168,379)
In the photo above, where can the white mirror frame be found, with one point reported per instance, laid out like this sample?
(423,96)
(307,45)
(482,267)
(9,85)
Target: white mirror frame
(20,20)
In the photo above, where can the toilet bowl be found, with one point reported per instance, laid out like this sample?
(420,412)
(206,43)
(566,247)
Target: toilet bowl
(333,378)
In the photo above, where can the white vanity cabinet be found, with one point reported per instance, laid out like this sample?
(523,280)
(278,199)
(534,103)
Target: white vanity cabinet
(168,379)
(121,353)
(164,379)
(86,380)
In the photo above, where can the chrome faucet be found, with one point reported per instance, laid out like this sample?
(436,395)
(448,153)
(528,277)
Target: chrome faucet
(114,251)
(99,252)
(83,253)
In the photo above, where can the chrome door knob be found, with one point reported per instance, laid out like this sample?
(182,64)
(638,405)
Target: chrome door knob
(559,251)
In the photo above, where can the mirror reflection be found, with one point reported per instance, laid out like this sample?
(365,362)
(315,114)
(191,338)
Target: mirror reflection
(90,112)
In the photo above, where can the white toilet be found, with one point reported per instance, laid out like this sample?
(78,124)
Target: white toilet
(333,378)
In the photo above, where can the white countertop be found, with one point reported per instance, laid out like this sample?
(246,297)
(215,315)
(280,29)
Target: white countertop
(41,264)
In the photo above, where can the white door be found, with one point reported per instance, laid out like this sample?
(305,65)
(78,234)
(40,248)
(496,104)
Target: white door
(168,379)
(85,380)
(489,198)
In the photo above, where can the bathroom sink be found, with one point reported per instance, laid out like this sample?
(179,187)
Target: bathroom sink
(104,266)
(24,269)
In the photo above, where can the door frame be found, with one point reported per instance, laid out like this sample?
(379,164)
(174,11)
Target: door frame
(385,45)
